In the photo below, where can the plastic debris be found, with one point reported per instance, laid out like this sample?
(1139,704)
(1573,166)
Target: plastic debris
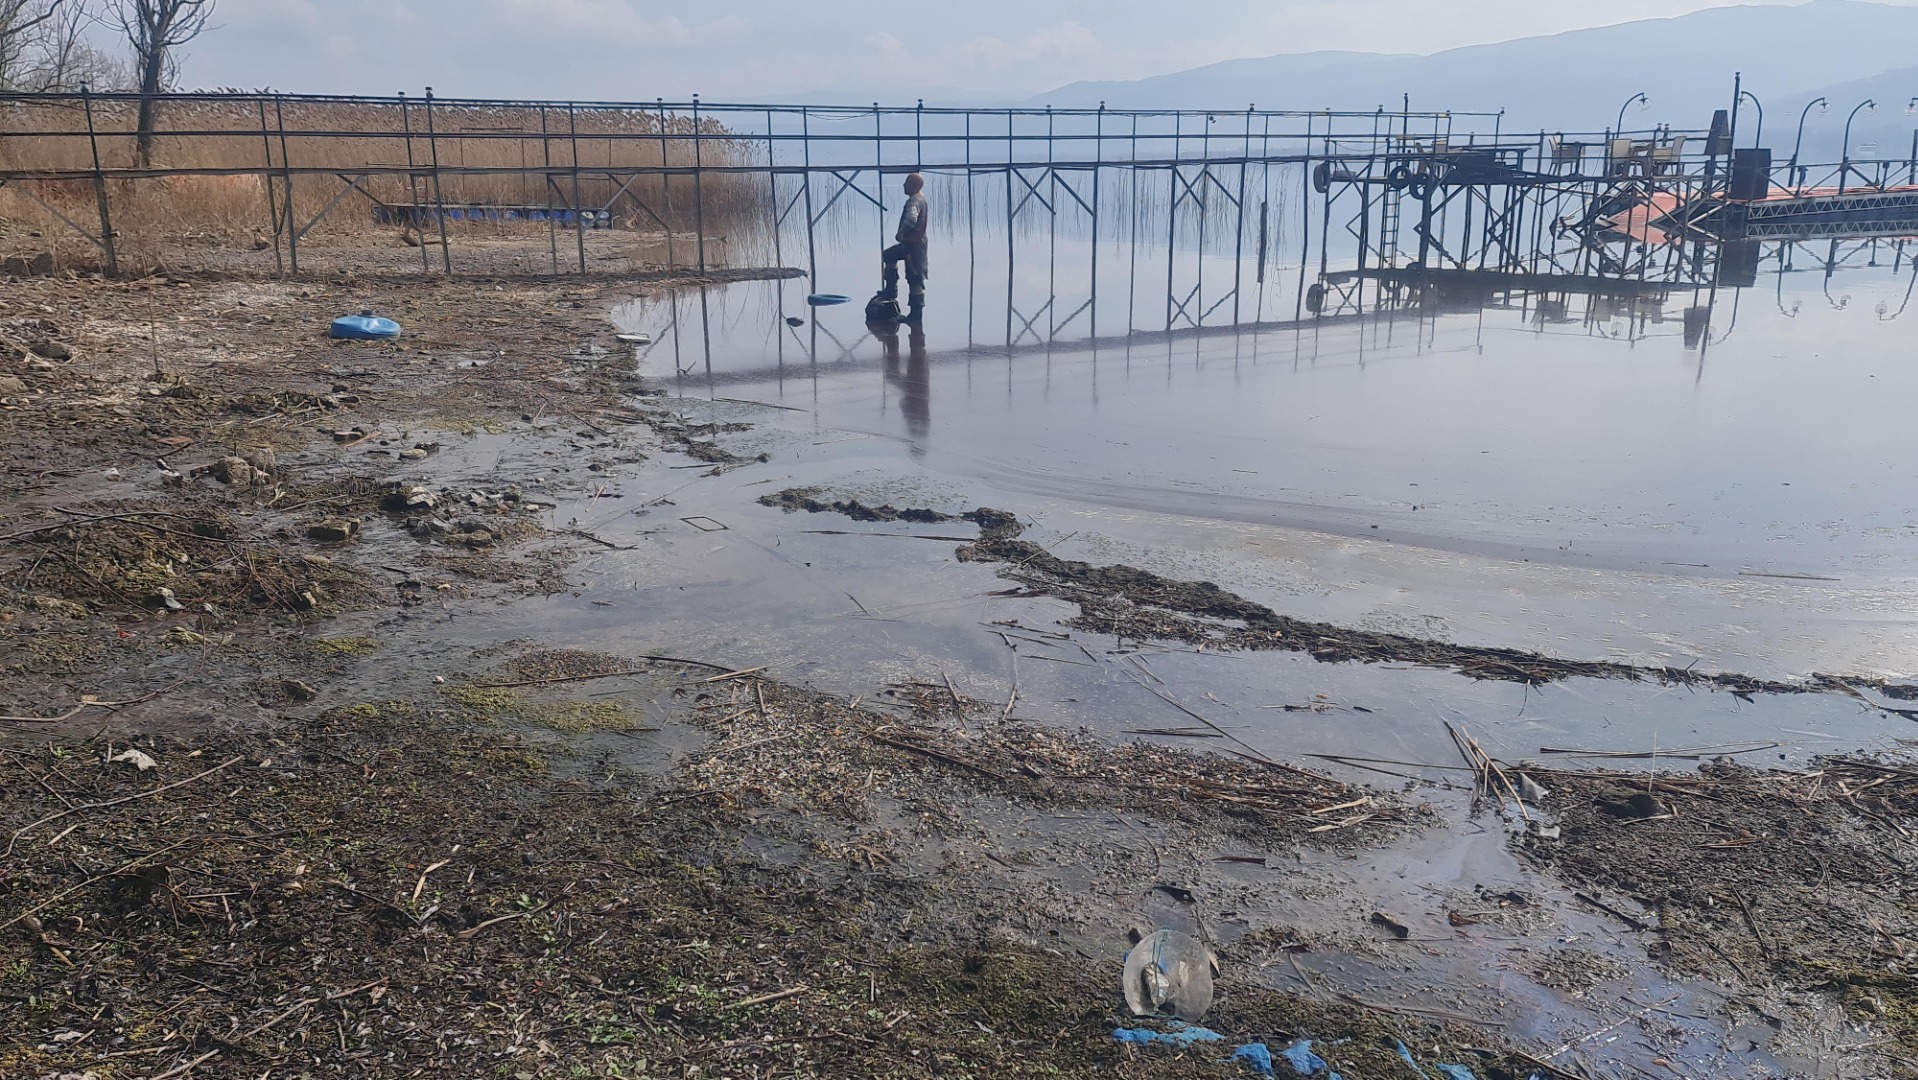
(1169,973)
(135,758)
(1256,1057)
(1300,1059)
(365,326)
(1179,1037)
(1455,1072)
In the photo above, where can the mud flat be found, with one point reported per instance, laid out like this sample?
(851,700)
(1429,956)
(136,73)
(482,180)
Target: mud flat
(307,765)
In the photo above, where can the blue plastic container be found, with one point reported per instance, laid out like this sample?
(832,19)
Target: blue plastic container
(364,327)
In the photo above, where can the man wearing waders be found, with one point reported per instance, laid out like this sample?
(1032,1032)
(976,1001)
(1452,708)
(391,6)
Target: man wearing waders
(911,249)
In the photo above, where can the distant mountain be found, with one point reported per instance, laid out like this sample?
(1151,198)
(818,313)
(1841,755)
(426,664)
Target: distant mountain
(1214,84)
(1571,81)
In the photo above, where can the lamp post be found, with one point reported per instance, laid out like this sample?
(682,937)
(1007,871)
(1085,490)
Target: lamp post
(1758,130)
(1844,162)
(1821,105)
(1641,99)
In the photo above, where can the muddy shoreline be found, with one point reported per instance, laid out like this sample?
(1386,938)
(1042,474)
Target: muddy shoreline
(366,842)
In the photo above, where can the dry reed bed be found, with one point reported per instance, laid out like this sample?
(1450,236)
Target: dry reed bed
(258,137)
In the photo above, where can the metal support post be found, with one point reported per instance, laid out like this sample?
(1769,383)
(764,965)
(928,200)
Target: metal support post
(439,193)
(286,182)
(100,187)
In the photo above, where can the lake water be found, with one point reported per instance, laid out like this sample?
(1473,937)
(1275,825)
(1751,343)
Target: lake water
(1567,473)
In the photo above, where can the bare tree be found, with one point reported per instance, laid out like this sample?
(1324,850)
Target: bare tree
(20,23)
(155,28)
(63,58)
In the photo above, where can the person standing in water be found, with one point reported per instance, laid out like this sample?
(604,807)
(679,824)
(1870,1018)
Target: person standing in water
(910,248)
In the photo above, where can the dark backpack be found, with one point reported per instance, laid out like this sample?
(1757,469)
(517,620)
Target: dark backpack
(882,308)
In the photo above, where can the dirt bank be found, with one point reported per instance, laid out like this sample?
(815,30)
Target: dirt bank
(364,841)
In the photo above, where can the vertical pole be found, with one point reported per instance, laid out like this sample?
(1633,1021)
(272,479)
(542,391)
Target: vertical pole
(1132,279)
(579,211)
(100,187)
(1305,220)
(1011,157)
(1098,166)
(546,189)
(413,220)
(1172,216)
(1205,174)
(665,183)
(266,177)
(286,182)
(812,247)
(1265,202)
(972,240)
(1238,243)
(439,190)
(879,170)
(1052,238)
(699,195)
(772,187)
(1325,224)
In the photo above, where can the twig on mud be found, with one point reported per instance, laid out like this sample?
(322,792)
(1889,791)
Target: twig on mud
(1487,770)
(95,879)
(468,933)
(741,673)
(600,540)
(1555,1070)
(1646,1011)
(938,755)
(777,995)
(1629,920)
(123,799)
(1689,753)
(129,518)
(182,1070)
(90,701)
(1764,950)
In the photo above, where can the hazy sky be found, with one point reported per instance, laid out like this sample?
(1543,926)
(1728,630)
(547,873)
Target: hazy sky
(844,49)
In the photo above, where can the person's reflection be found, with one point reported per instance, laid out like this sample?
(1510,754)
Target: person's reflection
(915,381)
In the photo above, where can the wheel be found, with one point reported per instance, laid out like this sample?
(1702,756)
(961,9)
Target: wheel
(1322,177)
(1399,178)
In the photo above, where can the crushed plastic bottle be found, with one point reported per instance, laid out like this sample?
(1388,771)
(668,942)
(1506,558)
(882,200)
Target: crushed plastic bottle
(1169,973)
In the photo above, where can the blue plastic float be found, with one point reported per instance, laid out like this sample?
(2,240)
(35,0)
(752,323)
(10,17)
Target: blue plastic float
(365,326)
(827,299)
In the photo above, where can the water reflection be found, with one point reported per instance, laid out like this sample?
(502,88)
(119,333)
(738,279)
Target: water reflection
(914,379)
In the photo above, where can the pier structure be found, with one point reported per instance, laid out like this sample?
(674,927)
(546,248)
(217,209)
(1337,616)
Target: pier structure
(1207,216)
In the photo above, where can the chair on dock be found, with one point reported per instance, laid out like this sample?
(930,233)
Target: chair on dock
(1669,158)
(1566,153)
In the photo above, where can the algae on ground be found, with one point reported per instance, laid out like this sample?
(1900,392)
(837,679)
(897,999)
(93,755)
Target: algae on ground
(572,715)
(352,645)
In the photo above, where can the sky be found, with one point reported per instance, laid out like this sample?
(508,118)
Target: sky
(840,50)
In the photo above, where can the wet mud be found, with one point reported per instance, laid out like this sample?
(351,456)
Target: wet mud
(285,786)
(1129,602)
